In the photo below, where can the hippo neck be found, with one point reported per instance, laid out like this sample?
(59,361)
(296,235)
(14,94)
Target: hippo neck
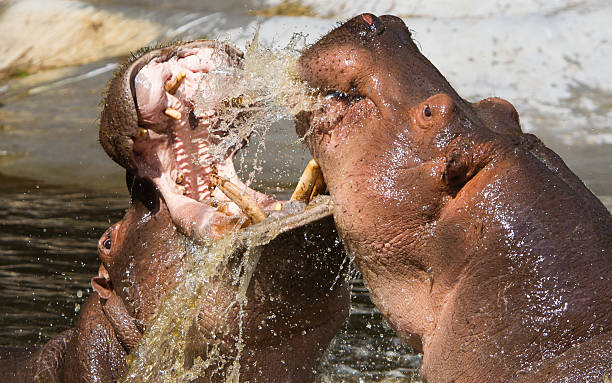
(454,298)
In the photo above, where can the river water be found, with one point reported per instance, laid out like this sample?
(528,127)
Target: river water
(59,191)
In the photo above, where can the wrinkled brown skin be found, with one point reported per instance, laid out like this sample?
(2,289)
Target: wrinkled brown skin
(93,351)
(42,365)
(479,245)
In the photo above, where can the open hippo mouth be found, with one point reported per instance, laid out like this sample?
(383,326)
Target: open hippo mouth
(164,123)
(165,96)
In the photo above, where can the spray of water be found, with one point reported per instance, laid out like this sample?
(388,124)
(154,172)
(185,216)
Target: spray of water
(250,98)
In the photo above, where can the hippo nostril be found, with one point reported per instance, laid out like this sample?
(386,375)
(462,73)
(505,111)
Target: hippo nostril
(376,26)
(368,18)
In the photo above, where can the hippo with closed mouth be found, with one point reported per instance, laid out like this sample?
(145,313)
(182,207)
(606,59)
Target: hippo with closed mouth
(478,244)
(297,298)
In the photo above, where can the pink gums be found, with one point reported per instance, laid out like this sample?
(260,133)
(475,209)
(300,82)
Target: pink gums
(189,144)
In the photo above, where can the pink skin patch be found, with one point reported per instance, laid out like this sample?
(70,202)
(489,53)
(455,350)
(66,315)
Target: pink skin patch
(174,152)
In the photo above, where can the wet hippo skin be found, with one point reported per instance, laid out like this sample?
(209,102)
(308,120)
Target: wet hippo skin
(293,302)
(479,246)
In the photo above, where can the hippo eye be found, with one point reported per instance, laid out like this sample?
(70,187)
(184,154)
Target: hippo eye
(107,243)
(427,111)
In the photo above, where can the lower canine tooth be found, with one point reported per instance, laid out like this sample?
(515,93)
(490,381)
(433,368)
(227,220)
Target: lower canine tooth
(172,113)
(244,201)
(311,183)
(179,178)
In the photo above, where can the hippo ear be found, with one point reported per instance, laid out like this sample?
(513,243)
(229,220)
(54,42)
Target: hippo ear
(499,115)
(459,169)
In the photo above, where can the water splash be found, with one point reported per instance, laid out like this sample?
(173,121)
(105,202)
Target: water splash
(163,354)
(249,99)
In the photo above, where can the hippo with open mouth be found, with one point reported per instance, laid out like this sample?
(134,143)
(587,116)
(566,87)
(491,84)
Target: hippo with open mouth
(297,298)
(479,246)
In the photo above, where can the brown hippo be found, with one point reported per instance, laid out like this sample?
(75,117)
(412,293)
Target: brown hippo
(151,126)
(297,298)
(479,246)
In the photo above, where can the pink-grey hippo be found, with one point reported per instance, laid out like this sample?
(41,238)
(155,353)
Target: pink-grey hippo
(479,245)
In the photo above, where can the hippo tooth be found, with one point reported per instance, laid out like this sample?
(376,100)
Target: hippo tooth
(174,83)
(207,170)
(182,189)
(184,167)
(142,133)
(310,184)
(244,201)
(277,206)
(172,113)
(181,161)
(205,194)
(180,178)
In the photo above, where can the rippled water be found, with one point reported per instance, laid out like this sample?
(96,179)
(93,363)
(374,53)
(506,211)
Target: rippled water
(48,237)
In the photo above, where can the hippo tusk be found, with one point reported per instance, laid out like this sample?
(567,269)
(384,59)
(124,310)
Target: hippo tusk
(311,183)
(180,178)
(173,84)
(172,113)
(243,200)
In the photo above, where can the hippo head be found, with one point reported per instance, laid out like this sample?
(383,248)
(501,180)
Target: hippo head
(381,92)
(159,121)
(390,132)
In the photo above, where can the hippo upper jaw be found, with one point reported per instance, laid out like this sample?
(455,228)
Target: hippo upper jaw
(373,79)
